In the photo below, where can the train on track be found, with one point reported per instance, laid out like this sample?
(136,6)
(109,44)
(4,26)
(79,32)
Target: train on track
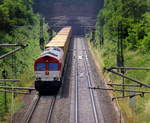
(49,66)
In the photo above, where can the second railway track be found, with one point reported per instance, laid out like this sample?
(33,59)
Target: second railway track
(85,106)
(98,116)
(41,109)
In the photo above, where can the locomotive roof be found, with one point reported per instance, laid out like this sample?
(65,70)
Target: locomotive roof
(54,52)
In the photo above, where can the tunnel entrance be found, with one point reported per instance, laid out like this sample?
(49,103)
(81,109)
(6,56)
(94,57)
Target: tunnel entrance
(80,14)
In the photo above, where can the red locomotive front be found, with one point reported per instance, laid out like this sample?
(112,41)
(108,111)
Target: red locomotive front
(48,70)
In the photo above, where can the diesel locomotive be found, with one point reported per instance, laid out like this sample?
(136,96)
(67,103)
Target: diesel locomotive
(49,65)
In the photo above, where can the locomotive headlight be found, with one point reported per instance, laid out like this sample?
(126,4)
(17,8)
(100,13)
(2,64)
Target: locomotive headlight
(38,78)
(56,78)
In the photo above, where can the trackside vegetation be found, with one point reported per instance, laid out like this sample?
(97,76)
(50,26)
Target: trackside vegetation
(135,18)
(18,25)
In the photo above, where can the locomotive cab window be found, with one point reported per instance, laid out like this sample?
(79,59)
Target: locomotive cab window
(40,66)
(53,66)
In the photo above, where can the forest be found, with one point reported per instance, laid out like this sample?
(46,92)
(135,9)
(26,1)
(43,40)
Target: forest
(134,14)
(134,18)
(18,25)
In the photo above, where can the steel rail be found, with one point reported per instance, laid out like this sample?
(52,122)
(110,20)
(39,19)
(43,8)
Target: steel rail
(51,110)
(76,87)
(31,110)
(90,84)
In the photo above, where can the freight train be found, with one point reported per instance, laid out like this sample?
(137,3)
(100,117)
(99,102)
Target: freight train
(49,65)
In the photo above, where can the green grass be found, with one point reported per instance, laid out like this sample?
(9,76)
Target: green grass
(106,58)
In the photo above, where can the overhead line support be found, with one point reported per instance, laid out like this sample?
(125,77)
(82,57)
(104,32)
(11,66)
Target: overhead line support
(9,80)
(129,85)
(16,88)
(124,76)
(120,90)
(13,51)
(130,68)
(10,45)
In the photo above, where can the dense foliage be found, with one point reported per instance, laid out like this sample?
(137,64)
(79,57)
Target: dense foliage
(18,24)
(15,13)
(135,18)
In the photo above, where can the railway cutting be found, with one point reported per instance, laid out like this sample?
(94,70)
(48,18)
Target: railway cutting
(78,103)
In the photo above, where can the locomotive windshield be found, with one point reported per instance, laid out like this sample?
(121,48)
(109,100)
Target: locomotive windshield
(53,66)
(40,66)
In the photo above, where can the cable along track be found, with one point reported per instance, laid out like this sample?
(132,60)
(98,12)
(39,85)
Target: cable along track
(40,110)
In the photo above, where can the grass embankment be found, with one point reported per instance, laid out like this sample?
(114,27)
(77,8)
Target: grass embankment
(106,57)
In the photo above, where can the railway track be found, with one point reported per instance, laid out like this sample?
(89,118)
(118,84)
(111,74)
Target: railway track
(76,88)
(90,81)
(86,107)
(35,114)
(31,109)
(51,110)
